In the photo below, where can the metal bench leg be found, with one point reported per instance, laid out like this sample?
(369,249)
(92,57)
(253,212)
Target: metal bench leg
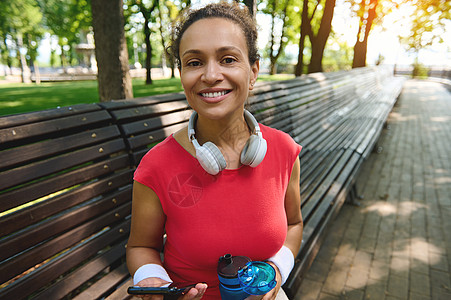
(354,197)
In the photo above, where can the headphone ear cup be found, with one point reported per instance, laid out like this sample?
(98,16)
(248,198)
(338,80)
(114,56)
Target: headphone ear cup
(211,158)
(254,151)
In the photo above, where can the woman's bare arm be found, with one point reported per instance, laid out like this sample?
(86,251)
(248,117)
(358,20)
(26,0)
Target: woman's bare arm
(147,228)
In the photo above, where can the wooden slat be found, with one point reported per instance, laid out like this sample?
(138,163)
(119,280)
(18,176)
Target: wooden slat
(39,116)
(83,274)
(142,140)
(141,112)
(113,279)
(138,127)
(323,162)
(32,152)
(59,163)
(58,226)
(47,273)
(44,128)
(66,180)
(121,292)
(142,101)
(336,197)
(26,217)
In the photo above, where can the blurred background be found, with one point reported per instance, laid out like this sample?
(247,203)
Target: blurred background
(53,40)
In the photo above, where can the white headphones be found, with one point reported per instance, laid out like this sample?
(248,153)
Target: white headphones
(211,158)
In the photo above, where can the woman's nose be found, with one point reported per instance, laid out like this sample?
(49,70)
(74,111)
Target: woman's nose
(212,73)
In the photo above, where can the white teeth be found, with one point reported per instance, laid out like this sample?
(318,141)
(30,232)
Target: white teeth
(214,95)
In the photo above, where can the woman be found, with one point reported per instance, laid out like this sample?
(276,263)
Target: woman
(226,196)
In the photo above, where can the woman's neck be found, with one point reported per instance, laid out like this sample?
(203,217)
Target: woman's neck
(229,136)
(222,132)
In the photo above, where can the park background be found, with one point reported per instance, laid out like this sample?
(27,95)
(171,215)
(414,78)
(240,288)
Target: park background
(48,57)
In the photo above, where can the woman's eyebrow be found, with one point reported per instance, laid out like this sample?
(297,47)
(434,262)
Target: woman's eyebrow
(191,51)
(219,50)
(228,48)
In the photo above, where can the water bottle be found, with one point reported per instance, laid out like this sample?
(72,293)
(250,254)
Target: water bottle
(240,277)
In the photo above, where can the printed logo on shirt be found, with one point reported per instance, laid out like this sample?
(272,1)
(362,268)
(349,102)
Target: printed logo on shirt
(185,190)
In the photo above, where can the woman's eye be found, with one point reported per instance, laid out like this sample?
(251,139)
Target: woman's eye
(229,60)
(194,63)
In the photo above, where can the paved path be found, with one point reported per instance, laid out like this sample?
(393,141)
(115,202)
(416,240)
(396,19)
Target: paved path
(397,244)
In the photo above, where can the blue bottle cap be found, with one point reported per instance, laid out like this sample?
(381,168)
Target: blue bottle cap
(257,278)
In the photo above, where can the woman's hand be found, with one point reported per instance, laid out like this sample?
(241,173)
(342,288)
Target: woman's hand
(272,294)
(194,293)
(153,282)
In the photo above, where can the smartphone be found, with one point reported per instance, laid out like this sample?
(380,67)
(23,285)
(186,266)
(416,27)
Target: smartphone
(172,289)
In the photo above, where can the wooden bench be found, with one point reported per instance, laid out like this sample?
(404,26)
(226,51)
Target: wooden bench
(76,164)
(65,186)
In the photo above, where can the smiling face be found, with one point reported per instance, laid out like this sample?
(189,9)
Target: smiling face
(215,70)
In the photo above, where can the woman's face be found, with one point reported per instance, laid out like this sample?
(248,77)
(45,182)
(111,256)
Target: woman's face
(215,70)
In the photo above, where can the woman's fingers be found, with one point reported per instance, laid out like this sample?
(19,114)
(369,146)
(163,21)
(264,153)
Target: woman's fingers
(196,292)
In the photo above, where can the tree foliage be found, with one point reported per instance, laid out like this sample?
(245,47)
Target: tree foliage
(279,12)
(20,27)
(369,13)
(156,18)
(429,20)
(148,23)
(69,21)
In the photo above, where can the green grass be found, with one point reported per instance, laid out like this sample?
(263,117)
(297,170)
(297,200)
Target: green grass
(21,98)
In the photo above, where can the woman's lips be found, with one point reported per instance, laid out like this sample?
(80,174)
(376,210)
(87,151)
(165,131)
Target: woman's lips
(214,96)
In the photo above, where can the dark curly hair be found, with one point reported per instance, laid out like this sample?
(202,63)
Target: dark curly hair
(230,11)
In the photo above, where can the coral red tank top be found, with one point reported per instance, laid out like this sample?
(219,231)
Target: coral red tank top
(238,211)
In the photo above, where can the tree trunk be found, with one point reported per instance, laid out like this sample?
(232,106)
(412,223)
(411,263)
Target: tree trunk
(300,65)
(252,6)
(63,58)
(111,50)
(359,59)
(147,13)
(8,57)
(317,57)
(37,74)
(164,55)
(361,45)
(274,56)
(305,25)
(320,40)
(171,57)
(148,51)
(272,59)
(25,71)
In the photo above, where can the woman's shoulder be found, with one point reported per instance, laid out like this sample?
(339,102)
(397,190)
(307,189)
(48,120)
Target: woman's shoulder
(165,146)
(276,138)
(173,144)
(270,133)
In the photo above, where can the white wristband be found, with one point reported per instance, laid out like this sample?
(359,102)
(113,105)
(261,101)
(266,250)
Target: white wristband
(150,270)
(284,260)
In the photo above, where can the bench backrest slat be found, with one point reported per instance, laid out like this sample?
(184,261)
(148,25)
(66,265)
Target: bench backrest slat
(52,147)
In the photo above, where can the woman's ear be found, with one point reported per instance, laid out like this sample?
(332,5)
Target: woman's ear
(255,68)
